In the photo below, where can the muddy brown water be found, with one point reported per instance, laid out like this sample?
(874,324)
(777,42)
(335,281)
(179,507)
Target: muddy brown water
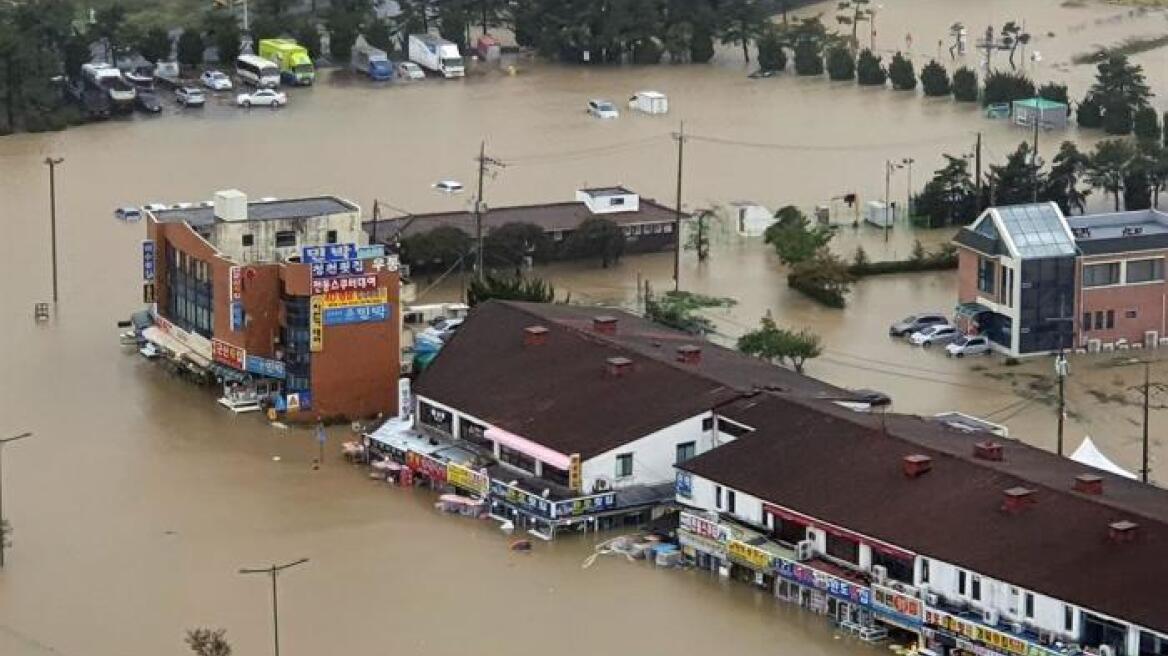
(138,499)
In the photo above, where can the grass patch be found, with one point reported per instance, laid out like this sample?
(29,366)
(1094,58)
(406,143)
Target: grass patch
(1130,46)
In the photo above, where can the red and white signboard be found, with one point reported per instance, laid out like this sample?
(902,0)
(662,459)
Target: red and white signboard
(228,354)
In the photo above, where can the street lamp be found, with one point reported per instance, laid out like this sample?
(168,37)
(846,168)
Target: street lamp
(908,162)
(1145,464)
(1061,371)
(3,531)
(52,163)
(889,166)
(272,572)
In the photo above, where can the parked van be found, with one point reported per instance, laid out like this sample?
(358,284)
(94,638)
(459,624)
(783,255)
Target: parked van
(649,102)
(257,71)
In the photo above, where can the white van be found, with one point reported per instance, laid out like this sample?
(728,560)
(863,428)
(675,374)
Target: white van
(257,71)
(650,102)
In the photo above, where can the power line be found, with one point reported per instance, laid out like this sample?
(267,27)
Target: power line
(583,153)
(818,148)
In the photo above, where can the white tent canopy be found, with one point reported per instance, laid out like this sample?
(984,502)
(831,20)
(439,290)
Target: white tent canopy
(1089,454)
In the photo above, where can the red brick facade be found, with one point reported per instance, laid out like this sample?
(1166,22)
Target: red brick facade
(1134,308)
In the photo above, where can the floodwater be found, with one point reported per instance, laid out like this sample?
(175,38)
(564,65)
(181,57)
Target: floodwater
(138,499)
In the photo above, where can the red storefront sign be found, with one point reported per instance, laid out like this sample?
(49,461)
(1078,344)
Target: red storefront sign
(228,354)
(423,464)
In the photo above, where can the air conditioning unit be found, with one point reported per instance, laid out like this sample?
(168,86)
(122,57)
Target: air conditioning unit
(932,599)
(1016,627)
(804,550)
(601,485)
(990,616)
(879,573)
(1094,345)
(1151,339)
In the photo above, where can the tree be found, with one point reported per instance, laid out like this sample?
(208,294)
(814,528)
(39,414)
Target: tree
(824,277)
(677,41)
(1155,164)
(154,44)
(840,64)
(949,197)
(109,23)
(208,642)
(1014,182)
(935,80)
(442,246)
(307,34)
(771,56)
(379,34)
(679,310)
(1056,92)
(1062,183)
(453,19)
(698,238)
(223,30)
(512,244)
(596,237)
(701,48)
(516,288)
(900,71)
(779,345)
(808,38)
(1108,166)
(808,58)
(965,87)
(1120,89)
(1146,124)
(742,22)
(793,238)
(1089,114)
(1001,87)
(190,48)
(1012,37)
(869,70)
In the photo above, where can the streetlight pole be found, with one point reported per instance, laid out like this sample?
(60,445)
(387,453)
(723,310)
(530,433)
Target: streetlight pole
(680,136)
(1144,468)
(908,162)
(273,571)
(479,211)
(3,532)
(52,163)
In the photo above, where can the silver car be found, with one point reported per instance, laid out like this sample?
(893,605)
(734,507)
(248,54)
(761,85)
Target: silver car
(969,345)
(938,333)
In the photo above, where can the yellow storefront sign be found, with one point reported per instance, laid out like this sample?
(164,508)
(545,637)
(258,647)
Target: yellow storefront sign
(749,555)
(467,478)
(355,298)
(996,640)
(315,323)
(575,473)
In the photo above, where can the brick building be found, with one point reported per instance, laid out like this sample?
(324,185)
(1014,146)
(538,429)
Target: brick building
(280,300)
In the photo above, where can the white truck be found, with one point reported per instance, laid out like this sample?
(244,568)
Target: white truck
(434,53)
(371,61)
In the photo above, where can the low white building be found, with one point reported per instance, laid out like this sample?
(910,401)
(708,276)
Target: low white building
(750,219)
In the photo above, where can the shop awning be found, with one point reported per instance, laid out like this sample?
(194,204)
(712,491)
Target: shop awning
(227,374)
(163,340)
(971,310)
(529,448)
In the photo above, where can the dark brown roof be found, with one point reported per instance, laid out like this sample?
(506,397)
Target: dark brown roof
(559,393)
(549,216)
(842,467)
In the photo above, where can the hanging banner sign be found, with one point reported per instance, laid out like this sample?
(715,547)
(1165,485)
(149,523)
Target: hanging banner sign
(148,292)
(372,250)
(329,285)
(236,275)
(236,316)
(328,253)
(334,269)
(348,315)
(356,298)
(749,555)
(228,354)
(705,528)
(315,324)
(264,366)
(832,585)
(148,260)
(467,478)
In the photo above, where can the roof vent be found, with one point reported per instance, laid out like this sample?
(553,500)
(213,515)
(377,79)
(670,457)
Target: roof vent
(1089,484)
(689,354)
(618,366)
(987,450)
(604,324)
(1122,531)
(916,465)
(535,335)
(1017,499)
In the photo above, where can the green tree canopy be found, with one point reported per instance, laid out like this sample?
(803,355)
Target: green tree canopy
(1003,87)
(510,288)
(190,48)
(793,237)
(869,70)
(948,198)
(512,243)
(779,345)
(771,56)
(841,65)
(442,246)
(1146,124)
(1014,182)
(154,44)
(1121,89)
(596,237)
(679,310)
(965,87)
(1062,183)
(742,21)
(824,277)
(1089,113)
(1108,165)
(935,80)
(900,71)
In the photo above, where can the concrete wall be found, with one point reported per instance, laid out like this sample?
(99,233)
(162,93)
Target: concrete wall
(228,235)
(653,455)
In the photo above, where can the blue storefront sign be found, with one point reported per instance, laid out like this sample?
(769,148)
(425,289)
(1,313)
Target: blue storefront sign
(264,366)
(329,253)
(683,484)
(148,260)
(370,251)
(334,269)
(832,585)
(236,315)
(361,314)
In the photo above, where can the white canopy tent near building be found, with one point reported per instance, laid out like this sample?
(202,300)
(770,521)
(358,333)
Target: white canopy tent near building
(1089,454)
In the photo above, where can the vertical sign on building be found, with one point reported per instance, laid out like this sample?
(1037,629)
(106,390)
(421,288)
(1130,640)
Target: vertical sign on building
(575,475)
(236,277)
(148,260)
(315,323)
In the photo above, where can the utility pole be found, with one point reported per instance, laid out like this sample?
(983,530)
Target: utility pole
(376,218)
(977,167)
(52,163)
(273,571)
(1145,468)
(908,162)
(3,531)
(887,192)
(1061,370)
(680,136)
(484,163)
(1034,156)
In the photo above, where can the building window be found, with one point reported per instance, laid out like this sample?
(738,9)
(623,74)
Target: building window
(686,450)
(555,475)
(924,570)
(961,582)
(1086,322)
(473,432)
(730,428)
(1008,286)
(516,459)
(898,569)
(730,499)
(1068,618)
(843,548)
(285,238)
(331,236)
(718,497)
(616,200)
(248,239)
(1131,314)
(707,424)
(1145,270)
(1098,275)
(1028,606)
(789,531)
(975,587)
(668,228)
(557,235)
(624,465)
(986,269)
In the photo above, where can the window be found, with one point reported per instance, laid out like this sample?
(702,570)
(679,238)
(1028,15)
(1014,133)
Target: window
(730,501)
(961,582)
(898,569)
(730,428)
(707,424)
(624,465)
(986,269)
(1068,618)
(331,236)
(789,531)
(975,587)
(248,239)
(686,450)
(616,200)
(473,432)
(516,459)
(1028,606)
(1008,286)
(285,238)
(557,235)
(1098,275)
(924,570)
(843,548)
(1145,270)
(1131,314)
(718,497)
(557,476)
(668,228)
(1110,319)
(1086,321)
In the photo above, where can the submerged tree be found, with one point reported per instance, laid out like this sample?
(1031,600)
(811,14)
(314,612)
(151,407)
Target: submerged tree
(965,87)
(771,56)
(516,244)
(794,238)
(935,80)
(679,310)
(949,197)
(1016,181)
(824,277)
(869,70)
(509,288)
(742,22)
(1003,87)
(1146,124)
(841,65)
(1107,166)
(208,642)
(1089,113)
(779,345)
(596,237)
(1121,89)
(900,71)
(1062,183)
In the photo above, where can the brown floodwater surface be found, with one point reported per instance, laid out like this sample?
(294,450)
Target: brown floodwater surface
(138,499)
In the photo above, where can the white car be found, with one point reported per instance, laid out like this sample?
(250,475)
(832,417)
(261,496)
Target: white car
(129,214)
(602,109)
(269,97)
(215,80)
(935,334)
(190,97)
(155,207)
(443,329)
(448,186)
(968,345)
(408,70)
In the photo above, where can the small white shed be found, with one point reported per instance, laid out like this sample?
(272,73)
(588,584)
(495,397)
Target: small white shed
(751,219)
(875,214)
(649,102)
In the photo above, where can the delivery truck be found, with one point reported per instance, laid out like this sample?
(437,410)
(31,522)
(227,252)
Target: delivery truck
(291,58)
(436,54)
(371,61)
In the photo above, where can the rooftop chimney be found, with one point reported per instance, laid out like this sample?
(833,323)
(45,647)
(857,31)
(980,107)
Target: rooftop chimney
(689,354)
(1017,498)
(230,205)
(1122,531)
(916,465)
(987,450)
(1089,484)
(618,366)
(535,335)
(604,324)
